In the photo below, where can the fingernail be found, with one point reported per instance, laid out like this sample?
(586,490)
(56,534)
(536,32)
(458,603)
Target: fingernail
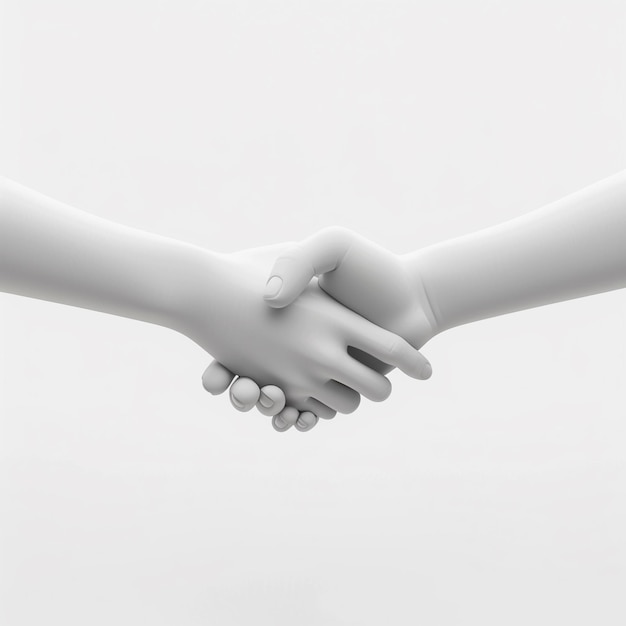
(304,425)
(273,287)
(280,422)
(265,400)
(236,403)
(426,372)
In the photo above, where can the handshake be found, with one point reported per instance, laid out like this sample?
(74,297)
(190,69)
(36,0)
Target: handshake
(309,328)
(316,326)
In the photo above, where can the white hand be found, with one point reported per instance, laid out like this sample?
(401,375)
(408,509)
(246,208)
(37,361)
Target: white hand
(372,281)
(302,349)
(270,400)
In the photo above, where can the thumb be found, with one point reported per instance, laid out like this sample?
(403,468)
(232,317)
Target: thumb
(291,273)
(294,269)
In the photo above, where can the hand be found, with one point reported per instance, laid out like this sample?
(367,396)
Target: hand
(383,287)
(302,349)
(270,400)
(379,285)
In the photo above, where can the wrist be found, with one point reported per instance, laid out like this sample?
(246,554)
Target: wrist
(188,284)
(416,268)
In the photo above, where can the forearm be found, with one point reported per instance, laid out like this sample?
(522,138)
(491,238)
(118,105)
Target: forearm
(568,249)
(54,252)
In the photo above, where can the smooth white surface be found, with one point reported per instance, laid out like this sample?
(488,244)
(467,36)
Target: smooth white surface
(52,251)
(493,493)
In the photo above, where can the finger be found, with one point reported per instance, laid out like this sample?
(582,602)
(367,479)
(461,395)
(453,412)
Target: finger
(271,400)
(306,421)
(285,419)
(369,361)
(294,269)
(318,408)
(279,424)
(362,379)
(244,394)
(216,378)
(339,397)
(390,348)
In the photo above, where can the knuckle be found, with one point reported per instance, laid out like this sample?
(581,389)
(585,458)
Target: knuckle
(335,235)
(334,231)
(399,349)
(394,347)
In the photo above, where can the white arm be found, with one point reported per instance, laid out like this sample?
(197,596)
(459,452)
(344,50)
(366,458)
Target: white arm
(51,251)
(571,248)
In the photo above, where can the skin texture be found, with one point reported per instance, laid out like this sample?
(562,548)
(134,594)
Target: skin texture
(352,269)
(302,349)
(570,248)
(54,252)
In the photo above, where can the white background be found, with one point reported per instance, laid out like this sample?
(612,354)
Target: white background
(495,493)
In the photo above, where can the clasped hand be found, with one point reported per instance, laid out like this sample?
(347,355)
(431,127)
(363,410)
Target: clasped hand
(300,348)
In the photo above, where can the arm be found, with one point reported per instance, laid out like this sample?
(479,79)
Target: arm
(54,252)
(571,248)
(51,251)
